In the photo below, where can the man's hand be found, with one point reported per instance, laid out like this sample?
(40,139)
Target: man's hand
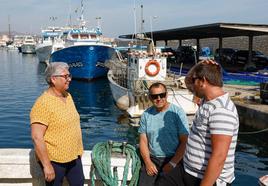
(49,173)
(151,168)
(209,62)
(167,168)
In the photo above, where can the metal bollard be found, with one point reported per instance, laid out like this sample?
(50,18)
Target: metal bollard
(110,143)
(124,148)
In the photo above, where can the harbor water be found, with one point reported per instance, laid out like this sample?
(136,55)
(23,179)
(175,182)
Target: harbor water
(22,81)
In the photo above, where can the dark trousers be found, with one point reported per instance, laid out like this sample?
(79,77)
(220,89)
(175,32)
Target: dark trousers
(179,177)
(73,171)
(145,179)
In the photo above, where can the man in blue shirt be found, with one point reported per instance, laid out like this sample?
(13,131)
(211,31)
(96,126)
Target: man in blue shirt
(163,136)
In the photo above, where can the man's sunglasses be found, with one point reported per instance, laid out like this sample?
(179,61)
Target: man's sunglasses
(155,96)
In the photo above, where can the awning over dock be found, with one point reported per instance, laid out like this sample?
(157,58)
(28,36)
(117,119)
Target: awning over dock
(215,30)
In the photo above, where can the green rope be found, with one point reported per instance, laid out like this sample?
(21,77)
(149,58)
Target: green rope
(101,159)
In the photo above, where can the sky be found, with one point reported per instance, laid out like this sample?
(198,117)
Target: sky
(118,16)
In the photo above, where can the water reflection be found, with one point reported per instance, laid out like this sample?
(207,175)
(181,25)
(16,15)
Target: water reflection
(98,114)
(251,157)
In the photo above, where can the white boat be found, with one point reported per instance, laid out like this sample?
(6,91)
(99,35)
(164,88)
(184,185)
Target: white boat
(18,41)
(28,46)
(44,47)
(12,47)
(129,83)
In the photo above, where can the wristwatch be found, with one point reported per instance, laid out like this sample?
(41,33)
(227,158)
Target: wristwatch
(172,164)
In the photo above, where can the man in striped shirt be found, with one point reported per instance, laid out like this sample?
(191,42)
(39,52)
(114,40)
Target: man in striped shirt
(210,150)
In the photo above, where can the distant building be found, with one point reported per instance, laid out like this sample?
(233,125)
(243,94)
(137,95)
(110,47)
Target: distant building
(3,40)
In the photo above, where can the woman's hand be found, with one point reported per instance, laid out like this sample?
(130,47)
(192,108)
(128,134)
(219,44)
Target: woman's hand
(49,172)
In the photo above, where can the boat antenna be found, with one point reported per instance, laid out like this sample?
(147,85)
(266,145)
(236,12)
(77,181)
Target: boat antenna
(98,22)
(70,15)
(83,22)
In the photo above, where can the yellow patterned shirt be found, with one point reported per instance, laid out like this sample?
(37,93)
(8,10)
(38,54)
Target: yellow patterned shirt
(63,136)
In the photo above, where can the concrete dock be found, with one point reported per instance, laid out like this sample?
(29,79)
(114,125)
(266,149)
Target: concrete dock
(247,100)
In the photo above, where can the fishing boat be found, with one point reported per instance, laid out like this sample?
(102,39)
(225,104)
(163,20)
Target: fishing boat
(129,82)
(83,49)
(44,47)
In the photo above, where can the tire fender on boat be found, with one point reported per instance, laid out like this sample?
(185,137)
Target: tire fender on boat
(148,64)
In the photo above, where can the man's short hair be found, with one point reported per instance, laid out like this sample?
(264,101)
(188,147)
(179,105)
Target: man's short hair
(210,70)
(156,85)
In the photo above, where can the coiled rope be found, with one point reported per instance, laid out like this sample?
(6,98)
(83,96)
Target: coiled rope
(101,159)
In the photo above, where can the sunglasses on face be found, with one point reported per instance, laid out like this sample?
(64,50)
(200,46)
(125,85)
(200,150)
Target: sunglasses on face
(66,76)
(161,95)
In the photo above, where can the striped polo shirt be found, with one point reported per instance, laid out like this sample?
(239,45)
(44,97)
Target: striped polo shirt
(217,116)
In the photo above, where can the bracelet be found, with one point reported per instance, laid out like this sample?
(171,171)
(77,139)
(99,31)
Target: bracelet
(172,164)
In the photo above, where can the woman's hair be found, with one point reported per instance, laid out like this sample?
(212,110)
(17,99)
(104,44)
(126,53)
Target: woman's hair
(54,68)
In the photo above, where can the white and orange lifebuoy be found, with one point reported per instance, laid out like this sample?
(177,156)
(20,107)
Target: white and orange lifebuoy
(157,68)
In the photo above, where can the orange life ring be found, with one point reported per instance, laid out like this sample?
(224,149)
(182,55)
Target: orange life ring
(149,63)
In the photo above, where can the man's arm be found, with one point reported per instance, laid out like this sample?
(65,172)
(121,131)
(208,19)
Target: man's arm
(220,145)
(179,153)
(145,153)
(38,132)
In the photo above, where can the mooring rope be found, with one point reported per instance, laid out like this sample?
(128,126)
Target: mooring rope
(101,159)
(254,132)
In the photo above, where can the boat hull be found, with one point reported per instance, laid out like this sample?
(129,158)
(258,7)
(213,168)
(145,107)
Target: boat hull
(43,52)
(119,93)
(83,60)
(28,49)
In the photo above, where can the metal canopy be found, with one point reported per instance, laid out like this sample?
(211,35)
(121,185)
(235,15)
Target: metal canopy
(218,30)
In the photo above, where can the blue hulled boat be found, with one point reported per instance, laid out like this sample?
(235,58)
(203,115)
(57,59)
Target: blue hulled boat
(84,50)
(83,59)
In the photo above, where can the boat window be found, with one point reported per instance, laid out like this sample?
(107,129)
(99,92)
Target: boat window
(93,36)
(84,36)
(75,36)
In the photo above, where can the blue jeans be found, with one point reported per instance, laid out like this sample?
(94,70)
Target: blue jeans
(73,171)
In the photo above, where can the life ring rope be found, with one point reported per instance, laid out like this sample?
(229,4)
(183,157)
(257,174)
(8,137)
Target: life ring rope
(148,64)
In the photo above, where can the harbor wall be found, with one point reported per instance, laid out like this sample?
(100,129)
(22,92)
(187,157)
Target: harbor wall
(18,167)
(252,115)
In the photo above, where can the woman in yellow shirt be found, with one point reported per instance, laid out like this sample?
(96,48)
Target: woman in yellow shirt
(56,131)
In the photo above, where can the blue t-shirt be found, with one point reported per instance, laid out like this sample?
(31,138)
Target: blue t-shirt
(163,129)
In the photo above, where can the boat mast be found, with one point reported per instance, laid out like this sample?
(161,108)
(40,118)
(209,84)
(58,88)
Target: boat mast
(9,32)
(135,20)
(142,20)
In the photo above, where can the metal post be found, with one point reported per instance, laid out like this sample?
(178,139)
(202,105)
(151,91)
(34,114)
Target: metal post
(220,49)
